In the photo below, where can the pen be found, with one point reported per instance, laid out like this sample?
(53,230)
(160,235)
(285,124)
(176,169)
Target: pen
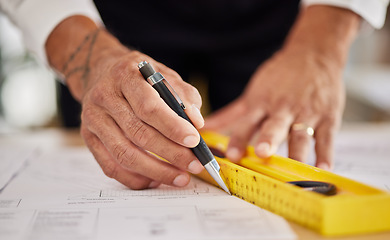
(168,94)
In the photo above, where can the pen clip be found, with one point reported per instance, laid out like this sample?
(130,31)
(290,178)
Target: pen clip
(170,88)
(158,77)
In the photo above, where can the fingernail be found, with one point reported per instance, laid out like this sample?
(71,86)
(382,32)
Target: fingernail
(180,180)
(154,184)
(191,141)
(195,167)
(199,118)
(233,154)
(263,149)
(324,166)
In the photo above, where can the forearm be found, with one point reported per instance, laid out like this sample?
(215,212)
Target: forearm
(78,45)
(324,31)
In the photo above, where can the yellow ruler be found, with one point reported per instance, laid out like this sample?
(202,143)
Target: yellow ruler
(356,208)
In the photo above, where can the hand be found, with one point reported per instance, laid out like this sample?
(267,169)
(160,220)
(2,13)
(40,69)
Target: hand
(124,120)
(300,84)
(291,87)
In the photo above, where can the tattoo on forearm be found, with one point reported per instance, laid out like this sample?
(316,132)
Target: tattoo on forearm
(88,42)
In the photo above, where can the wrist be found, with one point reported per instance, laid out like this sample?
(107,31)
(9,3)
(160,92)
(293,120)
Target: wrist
(75,49)
(323,32)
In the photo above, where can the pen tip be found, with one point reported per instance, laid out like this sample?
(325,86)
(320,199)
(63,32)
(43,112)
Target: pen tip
(224,187)
(213,169)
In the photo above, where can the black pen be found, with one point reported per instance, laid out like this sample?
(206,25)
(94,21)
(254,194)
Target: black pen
(168,94)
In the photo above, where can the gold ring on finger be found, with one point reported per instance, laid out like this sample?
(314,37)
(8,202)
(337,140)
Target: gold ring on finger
(303,127)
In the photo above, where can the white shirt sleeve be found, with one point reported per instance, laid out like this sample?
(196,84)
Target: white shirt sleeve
(372,11)
(37,18)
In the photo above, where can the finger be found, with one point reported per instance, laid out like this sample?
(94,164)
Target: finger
(187,93)
(148,138)
(299,141)
(242,133)
(193,112)
(131,157)
(110,167)
(151,109)
(148,106)
(272,133)
(324,137)
(224,117)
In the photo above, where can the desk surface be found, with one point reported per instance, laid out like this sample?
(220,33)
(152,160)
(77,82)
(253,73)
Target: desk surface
(55,138)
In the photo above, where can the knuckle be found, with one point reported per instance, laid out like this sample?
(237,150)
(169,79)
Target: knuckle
(284,103)
(110,169)
(305,110)
(245,106)
(141,134)
(332,122)
(92,119)
(125,156)
(85,133)
(179,158)
(192,93)
(278,120)
(191,90)
(147,108)
(88,115)
(100,94)
(330,119)
(120,70)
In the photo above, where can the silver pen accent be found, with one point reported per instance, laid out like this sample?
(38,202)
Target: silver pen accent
(214,170)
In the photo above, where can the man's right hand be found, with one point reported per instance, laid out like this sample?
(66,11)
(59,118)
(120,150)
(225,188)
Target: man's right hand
(124,120)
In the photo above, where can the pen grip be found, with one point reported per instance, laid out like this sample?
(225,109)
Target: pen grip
(201,151)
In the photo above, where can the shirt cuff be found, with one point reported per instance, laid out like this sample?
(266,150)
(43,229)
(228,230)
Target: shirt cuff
(38,18)
(372,11)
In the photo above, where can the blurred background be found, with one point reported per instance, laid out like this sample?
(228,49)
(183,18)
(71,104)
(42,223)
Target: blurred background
(30,95)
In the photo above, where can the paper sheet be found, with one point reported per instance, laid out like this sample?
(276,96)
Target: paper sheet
(12,160)
(363,153)
(63,194)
